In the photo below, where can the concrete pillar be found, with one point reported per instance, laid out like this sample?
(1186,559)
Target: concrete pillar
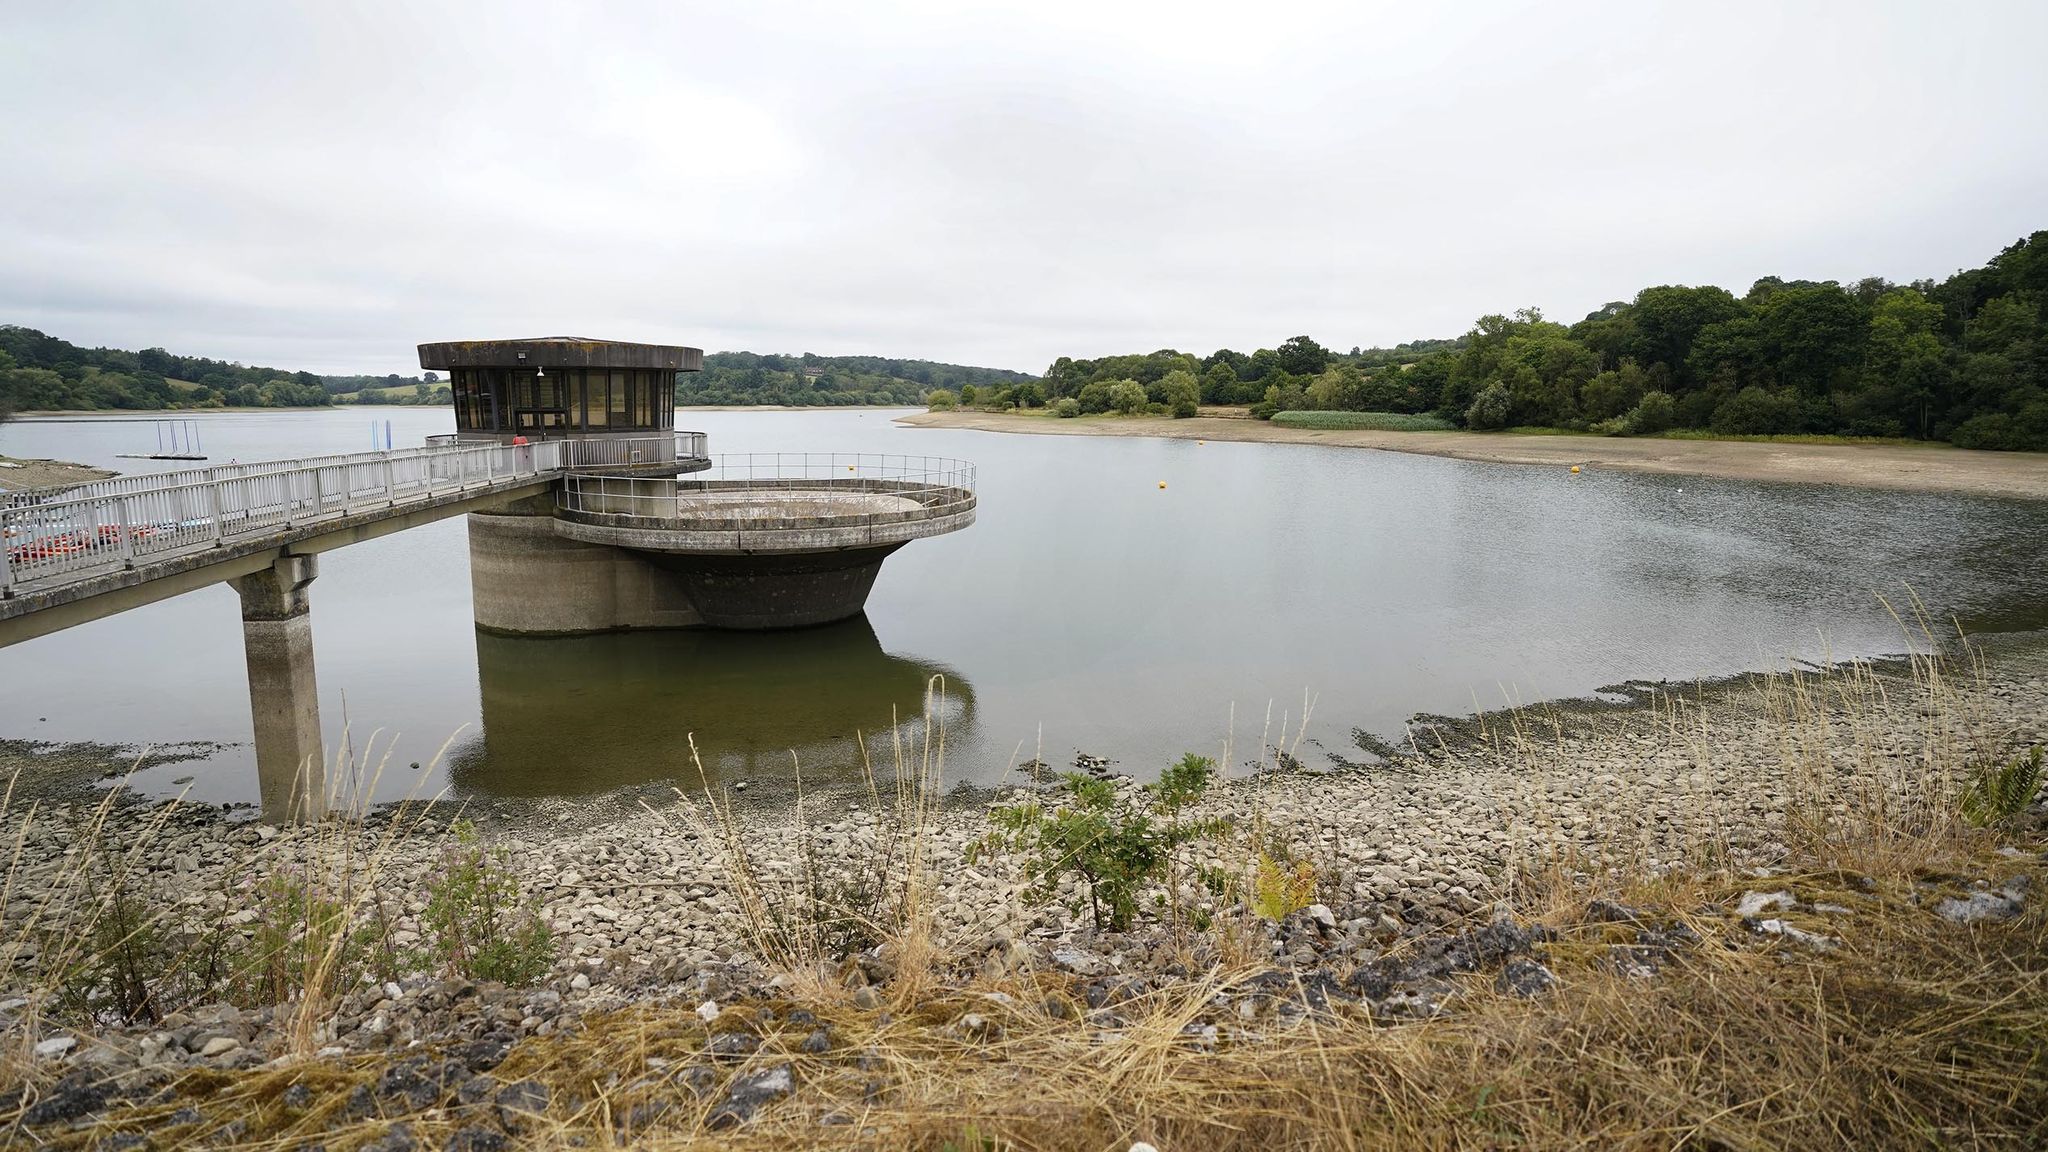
(277,636)
(527,580)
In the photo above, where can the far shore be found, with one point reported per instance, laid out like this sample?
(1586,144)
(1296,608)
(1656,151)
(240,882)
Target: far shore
(1904,467)
(18,474)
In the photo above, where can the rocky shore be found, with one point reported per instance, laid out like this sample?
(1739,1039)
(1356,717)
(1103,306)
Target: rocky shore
(1433,869)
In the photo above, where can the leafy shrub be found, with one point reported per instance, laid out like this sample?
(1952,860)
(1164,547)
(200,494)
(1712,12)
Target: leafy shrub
(1654,413)
(2027,432)
(1114,841)
(1756,412)
(941,400)
(1377,421)
(1492,409)
(1066,406)
(476,923)
(1094,397)
(2003,791)
(1126,396)
(302,942)
(118,964)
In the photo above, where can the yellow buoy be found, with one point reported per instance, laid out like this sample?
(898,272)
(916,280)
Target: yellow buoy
(1199,443)
(1575,467)
(1162,483)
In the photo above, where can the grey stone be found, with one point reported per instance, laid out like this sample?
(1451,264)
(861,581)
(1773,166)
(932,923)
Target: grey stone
(477,1138)
(1526,977)
(78,1094)
(1980,906)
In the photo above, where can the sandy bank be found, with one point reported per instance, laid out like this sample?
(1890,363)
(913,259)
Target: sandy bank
(1916,467)
(18,474)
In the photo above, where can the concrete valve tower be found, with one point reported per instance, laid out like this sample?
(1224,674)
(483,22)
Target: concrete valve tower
(645,529)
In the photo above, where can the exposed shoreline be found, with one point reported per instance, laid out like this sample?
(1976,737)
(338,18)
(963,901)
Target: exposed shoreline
(1687,879)
(1911,468)
(17,474)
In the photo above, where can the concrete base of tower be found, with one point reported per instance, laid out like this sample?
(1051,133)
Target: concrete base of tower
(525,579)
(755,592)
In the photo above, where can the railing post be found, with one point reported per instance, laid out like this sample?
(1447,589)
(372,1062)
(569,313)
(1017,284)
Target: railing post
(6,572)
(390,482)
(213,505)
(126,532)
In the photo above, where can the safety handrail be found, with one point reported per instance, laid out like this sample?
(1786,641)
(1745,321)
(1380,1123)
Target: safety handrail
(47,533)
(936,484)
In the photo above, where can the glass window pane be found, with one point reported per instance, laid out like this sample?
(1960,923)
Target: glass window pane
(598,412)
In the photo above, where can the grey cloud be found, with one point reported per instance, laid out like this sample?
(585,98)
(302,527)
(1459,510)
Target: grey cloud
(326,185)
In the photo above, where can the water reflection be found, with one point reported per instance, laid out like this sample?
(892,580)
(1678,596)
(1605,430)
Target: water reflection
(588,714)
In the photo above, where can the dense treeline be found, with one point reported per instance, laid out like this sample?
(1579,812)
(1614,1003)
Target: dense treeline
(39,372)
(1963,360)
(810,379)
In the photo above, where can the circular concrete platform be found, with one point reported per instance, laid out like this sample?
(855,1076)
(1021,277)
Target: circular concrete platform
(788,504)
(777,541)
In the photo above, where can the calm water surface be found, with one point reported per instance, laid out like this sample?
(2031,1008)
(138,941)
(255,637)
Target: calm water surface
(1087,610)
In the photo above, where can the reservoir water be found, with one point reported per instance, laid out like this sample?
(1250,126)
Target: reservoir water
(1088,610)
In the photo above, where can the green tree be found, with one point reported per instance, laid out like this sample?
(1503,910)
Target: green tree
(1614,391)
(1342,387)
(1654,413)
(1180,392)
(1219,384)
(1664,321)
(1491,409)
(1301,356)
(1127,397)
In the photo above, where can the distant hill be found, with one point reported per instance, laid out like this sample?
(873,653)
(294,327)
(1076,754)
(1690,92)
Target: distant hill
(39,372)
(813,380)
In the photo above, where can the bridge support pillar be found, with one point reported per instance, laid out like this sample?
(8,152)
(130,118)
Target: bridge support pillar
(277,637)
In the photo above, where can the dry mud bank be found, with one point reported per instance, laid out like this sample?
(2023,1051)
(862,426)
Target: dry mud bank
(1916,468)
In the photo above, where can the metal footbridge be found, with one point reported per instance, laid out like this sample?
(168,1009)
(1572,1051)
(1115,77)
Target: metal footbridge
(79,553)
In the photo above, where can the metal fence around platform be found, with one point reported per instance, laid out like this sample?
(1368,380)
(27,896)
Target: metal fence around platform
(126,520)
(936,484)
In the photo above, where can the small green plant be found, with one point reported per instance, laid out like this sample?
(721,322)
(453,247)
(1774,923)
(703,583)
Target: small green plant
(306,942)
(941,400)
(2003,791)
(971,1140)
(1114,841)
(1066,407)
(477,924)
(1278,890)
(119,969)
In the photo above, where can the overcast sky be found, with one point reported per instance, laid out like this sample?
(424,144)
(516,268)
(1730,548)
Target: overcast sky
(325,185)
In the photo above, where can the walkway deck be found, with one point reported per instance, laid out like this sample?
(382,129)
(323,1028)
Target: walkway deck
(200,526)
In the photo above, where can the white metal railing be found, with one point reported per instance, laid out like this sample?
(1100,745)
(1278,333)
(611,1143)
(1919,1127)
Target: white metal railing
(937,486)
(625,451)
(129,519)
